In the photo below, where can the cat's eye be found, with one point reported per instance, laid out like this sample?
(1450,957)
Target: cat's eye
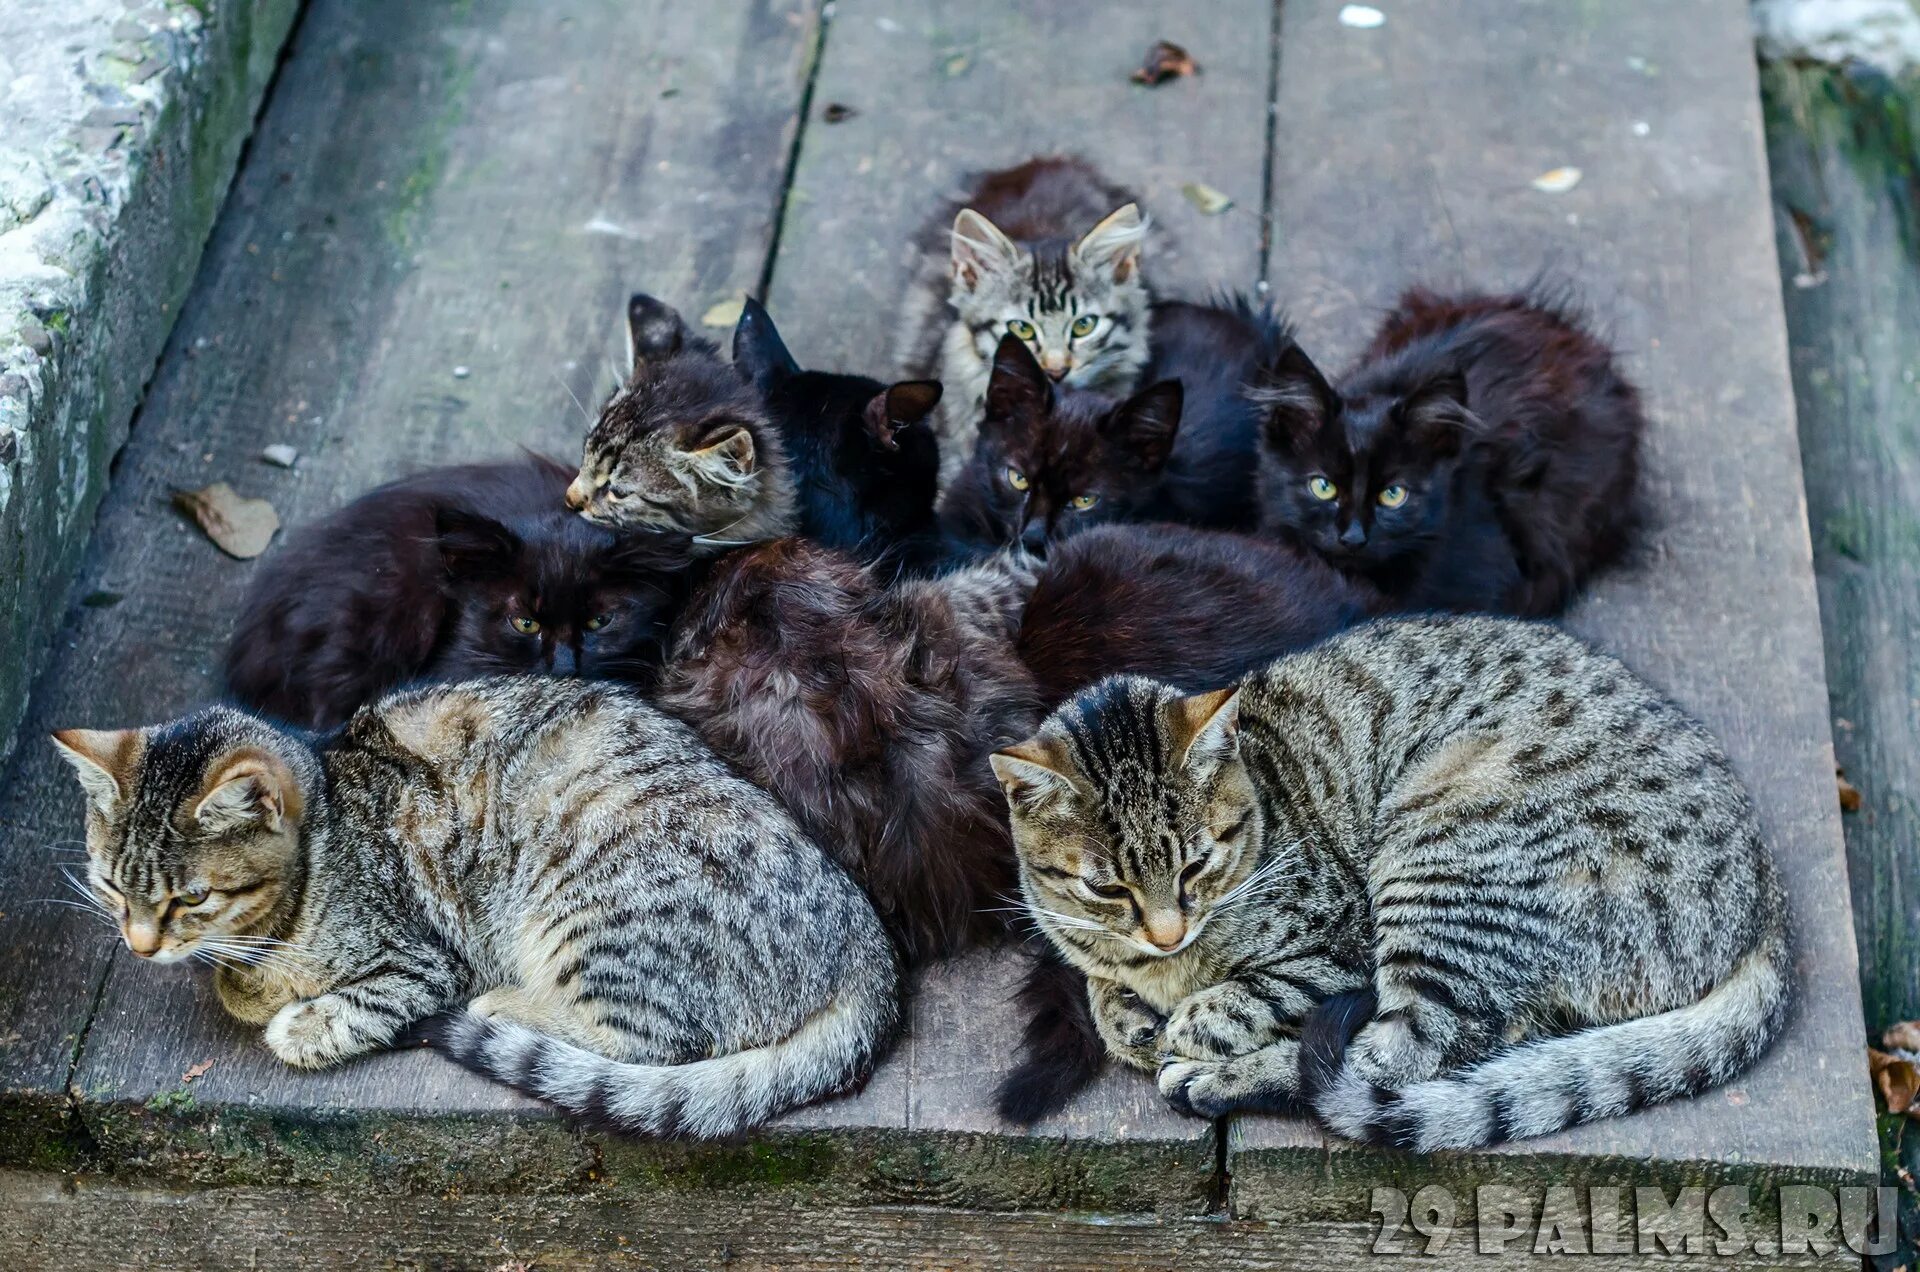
(1320,488)
(1083,502)
(1192,872)
(598,621)
(1392,496)
(1111,891)
(1085,323)
(1020,329)
(620,492)
(192,897)
(525,626)
(1017,479)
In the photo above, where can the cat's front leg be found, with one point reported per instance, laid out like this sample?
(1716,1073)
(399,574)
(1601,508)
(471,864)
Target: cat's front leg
(355,1017)
(1129,1027)
(1222,1021)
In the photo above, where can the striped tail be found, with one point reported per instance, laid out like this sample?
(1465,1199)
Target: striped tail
(1538,1087)
(704,1099)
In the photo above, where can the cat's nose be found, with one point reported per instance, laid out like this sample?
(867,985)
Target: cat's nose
(1057,371)
(1166,931)
(579,494)
(1354,535)
(565,661)
(142,938)
(1034,538)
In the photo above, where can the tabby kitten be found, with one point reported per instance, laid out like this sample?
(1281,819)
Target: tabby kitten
(1549,875)
(453,572)
(636,932)
(684,445)
(1047,252)
(1482,454)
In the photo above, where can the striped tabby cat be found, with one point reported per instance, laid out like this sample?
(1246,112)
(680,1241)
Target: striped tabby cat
(1549,876)
(650,938)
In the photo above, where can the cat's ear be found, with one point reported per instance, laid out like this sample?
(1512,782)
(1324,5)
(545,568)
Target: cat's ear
(900,405)
(245,788)
(1114,244)
(1436,415)
(1146,424)
(1018,385)
(105,761)
(1297,398)
(724,453)
(1034,773)
(758,352)
(1205,727)
(654,330)
(473,546)
(980,249)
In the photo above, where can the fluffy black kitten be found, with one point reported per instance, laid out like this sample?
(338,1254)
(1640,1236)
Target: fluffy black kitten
(453,572)
(862,454)
(1481,455)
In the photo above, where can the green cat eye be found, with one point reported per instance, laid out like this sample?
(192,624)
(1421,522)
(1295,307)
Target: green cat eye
(1393,496)
(1111,891)
(197,896)
(1083,502)
(1017,479)
(1085,323)
(525,626)
(1320,488)
(1021,329)
(598,621)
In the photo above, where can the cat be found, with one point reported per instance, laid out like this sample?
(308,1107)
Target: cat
(865,463)
(685,445)
(1048,252)
(636,933)
(1549,876)
(449,573)
(1482,454)
(869,712)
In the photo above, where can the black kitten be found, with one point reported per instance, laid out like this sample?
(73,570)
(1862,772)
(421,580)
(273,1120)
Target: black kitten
(453,572)
(862,454)
(1481,455)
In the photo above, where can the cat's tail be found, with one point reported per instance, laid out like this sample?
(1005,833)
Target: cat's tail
(1541,1086)
(1063,1051)
(832,1052)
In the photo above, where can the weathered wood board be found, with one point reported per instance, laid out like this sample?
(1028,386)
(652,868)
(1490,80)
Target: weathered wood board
(1667,237)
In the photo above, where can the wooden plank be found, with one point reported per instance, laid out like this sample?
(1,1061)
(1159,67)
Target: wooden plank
(428,251)
(1840,142)
(1051,76)
(1405,153)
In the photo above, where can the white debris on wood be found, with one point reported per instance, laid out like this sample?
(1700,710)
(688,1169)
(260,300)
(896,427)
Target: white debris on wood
(280,455)
(1363,16)
(1881,33)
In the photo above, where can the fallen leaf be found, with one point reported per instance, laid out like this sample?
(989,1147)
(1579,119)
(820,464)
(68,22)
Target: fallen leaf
(1557,181)
(1897,1080)
(957,65)
(838,113)
(1849,793)
(196,1071)
(1362,16)
(1165,61)
(1904,1036)
(239,526)
(724,314)
(1206,198)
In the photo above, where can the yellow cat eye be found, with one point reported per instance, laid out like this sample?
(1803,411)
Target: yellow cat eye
(525,626)
(598,621)
(1019,328)
(1111,891)
(1017,479)
(1083,502)
(1393,496)
(1085,323)
(196,897)
(1320,488)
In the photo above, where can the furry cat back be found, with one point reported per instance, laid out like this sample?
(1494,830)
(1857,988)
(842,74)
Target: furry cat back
(1048,252)
(1482,454)
(451,572)
(635,932)
(864,459)
(685,444)
(1549,876)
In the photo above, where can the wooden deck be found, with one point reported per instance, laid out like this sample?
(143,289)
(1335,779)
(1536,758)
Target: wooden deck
(479,185)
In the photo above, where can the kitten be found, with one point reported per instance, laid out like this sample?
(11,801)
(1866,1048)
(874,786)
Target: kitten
(1549,876)
(864,462)
(1047,252)
(1482,454)
(869,713)
(636,933)
(452,572)
(684,445)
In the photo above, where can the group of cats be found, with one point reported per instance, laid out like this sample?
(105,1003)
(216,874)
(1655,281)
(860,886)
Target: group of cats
(829,669)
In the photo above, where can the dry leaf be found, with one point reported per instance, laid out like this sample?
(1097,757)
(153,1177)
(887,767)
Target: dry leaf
(724,314)
(1363,16)
(838,113)
(1849,793)
(1557,181)
(1904,1036)
(1897,1080)
(1206,198)
(1165,61)
(196,1071)
(238,526)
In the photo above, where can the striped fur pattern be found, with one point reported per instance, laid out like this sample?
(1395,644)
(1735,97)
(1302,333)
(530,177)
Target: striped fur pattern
(1548,876)
(635,932)
(1048,251)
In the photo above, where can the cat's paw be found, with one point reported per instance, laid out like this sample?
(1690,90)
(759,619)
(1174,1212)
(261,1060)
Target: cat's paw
(1195,1087)
(1218,1023)
(1267,1080)
(314,1033)
(1129,1027)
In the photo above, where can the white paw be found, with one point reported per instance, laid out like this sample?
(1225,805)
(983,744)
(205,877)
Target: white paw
(312,1033)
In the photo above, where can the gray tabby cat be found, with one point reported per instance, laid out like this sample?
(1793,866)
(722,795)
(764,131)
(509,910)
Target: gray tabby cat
(685,444)
(637,933)
(1048,252)
(1549,875)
